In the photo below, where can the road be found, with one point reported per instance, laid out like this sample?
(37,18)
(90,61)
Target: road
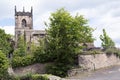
(111,73)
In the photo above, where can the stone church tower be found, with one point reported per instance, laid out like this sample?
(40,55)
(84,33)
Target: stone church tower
(23,25)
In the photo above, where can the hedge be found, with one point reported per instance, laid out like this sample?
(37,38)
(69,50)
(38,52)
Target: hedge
(22,61)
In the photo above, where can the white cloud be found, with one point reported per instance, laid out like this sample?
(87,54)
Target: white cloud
(39,21)
(8,29)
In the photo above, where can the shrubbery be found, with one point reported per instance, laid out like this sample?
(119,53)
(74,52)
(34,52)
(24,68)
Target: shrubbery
(22,61)
(57,69)
(91,52)
(40,56)
(3,66)
(30,77)
(39,77)
(13,78)
(115,51)
(5,42)
(21,47)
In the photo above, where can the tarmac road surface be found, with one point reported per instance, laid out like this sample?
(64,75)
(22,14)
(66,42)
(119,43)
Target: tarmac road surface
(111,73)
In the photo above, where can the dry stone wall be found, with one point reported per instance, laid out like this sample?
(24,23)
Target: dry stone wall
(35,68)
(93,62)
(97,61)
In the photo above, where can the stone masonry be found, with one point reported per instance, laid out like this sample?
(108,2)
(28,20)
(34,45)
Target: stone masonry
(97,61)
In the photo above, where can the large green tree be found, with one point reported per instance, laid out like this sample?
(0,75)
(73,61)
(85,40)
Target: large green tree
(64,35)
(5,42)
(107,42)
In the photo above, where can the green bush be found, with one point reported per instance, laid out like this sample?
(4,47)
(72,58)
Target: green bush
(13,78)
(4,64)
(19,52)
(29,77)
(22,61)
(40,56)
(58,69)
(26,77)
(21,47)
(110,50)
(115,51)
(39,77)
(91,52)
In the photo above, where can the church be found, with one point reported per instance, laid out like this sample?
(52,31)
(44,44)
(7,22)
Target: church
(24,27)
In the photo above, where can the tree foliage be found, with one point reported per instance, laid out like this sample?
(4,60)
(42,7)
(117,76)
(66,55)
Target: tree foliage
(107,42)
(33,48)
(18,61)
(21,47)
(5,45)
(40,54)
(64,35)
(3,66)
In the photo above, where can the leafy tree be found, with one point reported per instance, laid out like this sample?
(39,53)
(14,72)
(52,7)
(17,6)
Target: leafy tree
(21,47)
(3,66)
(82,29)
(107,42)
(64,35)
(5,44)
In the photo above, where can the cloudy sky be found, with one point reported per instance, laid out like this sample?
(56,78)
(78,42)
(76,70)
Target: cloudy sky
(100,13)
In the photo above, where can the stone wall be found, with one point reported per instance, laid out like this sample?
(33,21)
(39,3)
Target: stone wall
(97,61)
(35,68)
(85,62)
(93,62)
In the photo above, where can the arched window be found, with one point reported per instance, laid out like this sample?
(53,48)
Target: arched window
(24,24)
